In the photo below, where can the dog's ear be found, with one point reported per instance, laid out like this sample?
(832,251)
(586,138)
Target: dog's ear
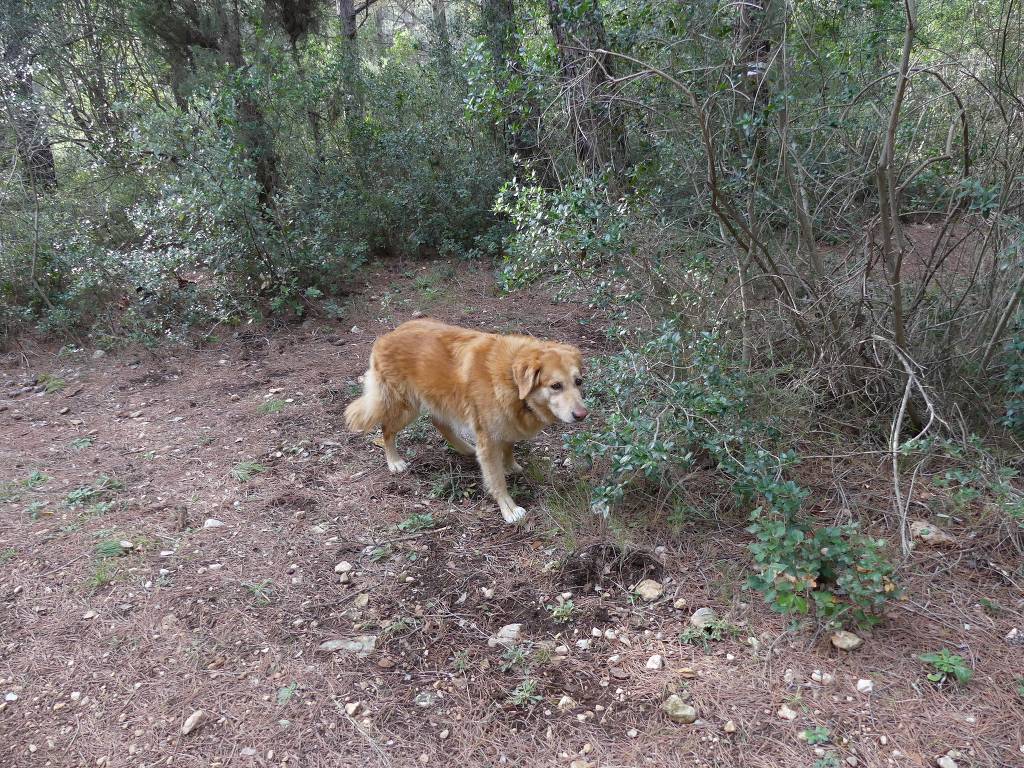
(525,370)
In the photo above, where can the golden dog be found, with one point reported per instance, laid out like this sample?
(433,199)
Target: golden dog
(478,388)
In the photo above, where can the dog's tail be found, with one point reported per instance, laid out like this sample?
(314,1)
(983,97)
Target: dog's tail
(366,412)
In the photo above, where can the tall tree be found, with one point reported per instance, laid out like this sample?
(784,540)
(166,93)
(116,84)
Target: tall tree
(24,112)
(218,27)
(586,71)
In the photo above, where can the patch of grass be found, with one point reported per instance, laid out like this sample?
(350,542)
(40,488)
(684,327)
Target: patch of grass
(461,662)
(35,510)
(1020,688)
(81,443)
(453,486)
(991,607)
(525,694)
(419,522)
(432,282)
(419,430)
(831,760)
(285,694)
(103,574)
(35,480)
(109,548)
(569,506)
(8,554)
(542,656)
(9,492)
(273,405)
(819,734)
(515,657)
(262,591)
(401,625)
(380,553)
(51,383)
(949,667)
(102,488)
(562,612)
(719,629)
(244,471)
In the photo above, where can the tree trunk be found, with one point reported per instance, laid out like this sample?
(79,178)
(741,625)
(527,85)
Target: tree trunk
(347,18)
(35,152)
(599,137)
(444,43)
(252,123)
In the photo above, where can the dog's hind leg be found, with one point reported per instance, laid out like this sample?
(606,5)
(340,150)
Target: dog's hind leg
(491,456)
(511,465)
(457,443)
(397,418)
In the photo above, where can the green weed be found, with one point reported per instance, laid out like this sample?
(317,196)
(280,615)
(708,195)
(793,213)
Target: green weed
(525,694)
(949,667)
(419,522)
(244,471)
(274,405)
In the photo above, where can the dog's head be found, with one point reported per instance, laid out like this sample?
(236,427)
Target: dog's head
(549,377)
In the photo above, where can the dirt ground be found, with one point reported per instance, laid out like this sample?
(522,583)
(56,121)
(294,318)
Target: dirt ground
(124,609)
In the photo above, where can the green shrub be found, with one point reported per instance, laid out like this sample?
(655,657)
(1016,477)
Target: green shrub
(678,396)
(1014,378)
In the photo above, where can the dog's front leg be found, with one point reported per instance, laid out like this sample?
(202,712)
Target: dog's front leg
(491,455)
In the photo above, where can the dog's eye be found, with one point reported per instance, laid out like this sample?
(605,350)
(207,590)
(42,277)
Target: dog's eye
(579,382)
(556,386)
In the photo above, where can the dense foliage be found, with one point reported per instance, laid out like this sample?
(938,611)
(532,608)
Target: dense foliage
(818,199)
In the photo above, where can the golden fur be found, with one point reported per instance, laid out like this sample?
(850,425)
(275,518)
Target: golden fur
(495,389)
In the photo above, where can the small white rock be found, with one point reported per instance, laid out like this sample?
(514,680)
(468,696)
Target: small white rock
(678,711)
(945,761)
(506,636)
(786,713)
(655,662)
(192,722)
(649,590)
(846,641)
(930,534)
(824,678)
(212,522)
(566,703)
(703,617)
(865,686)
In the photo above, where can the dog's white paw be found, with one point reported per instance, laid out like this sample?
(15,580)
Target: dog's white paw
(398,466)
(513,514)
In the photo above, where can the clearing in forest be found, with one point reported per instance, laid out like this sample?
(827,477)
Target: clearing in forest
(192,531)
